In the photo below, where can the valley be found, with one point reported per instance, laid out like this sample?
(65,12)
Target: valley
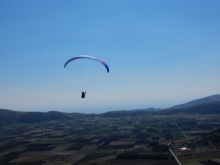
(100,140)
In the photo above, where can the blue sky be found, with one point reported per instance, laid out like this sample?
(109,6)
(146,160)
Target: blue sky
(160,53)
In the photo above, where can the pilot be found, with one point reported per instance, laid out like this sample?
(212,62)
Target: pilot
(83,94)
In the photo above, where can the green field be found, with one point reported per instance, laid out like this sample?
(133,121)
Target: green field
(92,140)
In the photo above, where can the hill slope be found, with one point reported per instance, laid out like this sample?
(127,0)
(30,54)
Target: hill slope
(208,108)
(210,140)
(209,99)
(13,117)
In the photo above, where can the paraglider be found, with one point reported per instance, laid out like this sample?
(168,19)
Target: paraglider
(87,57)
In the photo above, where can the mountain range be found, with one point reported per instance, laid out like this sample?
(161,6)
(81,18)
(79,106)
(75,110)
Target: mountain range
(147,109)
(209,99)
(206,105)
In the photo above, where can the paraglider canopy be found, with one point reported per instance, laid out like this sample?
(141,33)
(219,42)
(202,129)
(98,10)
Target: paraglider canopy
(87,57)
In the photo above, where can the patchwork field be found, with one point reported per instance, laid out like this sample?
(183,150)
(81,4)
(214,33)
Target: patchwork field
(96,140)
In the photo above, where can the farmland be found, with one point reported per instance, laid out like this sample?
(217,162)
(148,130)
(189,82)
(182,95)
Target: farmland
(98,140)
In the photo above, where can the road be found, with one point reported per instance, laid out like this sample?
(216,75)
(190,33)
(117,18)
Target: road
(177,160)
(180,129)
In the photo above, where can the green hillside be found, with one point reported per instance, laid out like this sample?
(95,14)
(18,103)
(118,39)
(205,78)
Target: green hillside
(210,140)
